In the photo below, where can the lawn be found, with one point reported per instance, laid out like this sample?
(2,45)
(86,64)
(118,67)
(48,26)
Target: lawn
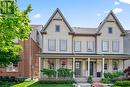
(36,84)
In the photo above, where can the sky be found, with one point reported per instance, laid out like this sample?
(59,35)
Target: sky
(78,13)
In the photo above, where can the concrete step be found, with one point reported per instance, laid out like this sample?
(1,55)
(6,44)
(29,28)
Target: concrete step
(81,80)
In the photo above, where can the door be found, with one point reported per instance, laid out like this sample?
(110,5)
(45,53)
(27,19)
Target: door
(78,68)
(91,67)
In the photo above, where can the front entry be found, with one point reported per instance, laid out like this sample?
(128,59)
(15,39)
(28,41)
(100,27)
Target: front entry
(78,68)
(91,68)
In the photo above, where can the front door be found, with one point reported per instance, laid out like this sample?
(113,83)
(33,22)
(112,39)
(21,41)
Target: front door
(78,68)
(91,67)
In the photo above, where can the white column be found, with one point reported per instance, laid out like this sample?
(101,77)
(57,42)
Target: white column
(84,68)
(103,67)
(73,67)
(88,66)
(57,66)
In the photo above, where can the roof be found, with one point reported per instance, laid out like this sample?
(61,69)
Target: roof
(117,21)
(79,30)
(128,31)
(65,21)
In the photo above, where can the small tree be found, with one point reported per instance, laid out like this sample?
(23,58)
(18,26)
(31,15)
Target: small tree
(14,25)
(64,72)
(49,72)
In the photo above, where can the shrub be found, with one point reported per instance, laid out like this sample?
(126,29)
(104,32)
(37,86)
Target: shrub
(90,80)
(49,72)
(64,72)
(56,81)
(113,74)
(122,83)
(105,80)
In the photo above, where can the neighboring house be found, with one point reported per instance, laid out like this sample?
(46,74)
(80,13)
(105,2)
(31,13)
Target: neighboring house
(29,63)
(127,47)
(87,51)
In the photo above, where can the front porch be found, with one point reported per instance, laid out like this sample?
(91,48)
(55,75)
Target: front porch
(85,65)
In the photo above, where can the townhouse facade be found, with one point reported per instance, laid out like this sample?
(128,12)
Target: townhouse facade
(87,51)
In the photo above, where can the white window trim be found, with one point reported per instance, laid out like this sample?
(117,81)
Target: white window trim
(92,46)
(75,47)
(113,46)
(107,46)
(61,45)
(11,68)
(54,47)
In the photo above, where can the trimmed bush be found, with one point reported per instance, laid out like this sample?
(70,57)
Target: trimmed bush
(57,81)
(49,72)
(105,80)
(64,72)
(122,83)
(90,80)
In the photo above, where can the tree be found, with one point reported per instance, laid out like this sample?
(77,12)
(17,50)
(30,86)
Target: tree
(14,25)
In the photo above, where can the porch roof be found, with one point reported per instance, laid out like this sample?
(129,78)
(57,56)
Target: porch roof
(84,55)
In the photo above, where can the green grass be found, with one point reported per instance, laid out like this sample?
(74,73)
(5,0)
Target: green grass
(36,84)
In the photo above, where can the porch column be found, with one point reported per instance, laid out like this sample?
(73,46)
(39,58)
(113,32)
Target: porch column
(88,66)
(57,66)
(103,67)
(74,67)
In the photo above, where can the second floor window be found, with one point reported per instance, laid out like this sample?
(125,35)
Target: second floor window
(105,46)
(115,46)
(63,45)
(57,28)
(110,30)
(90,46)
(51,45)
(77,46)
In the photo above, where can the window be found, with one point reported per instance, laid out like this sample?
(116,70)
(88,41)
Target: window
(105,46)
(63,63)
(12,67)
(90,46)
(37,37)
(115,46)
(105,65)
(77,46)
(51,63)
(110,30)
(115,64)
(63,45)
(57,28)
(51,45)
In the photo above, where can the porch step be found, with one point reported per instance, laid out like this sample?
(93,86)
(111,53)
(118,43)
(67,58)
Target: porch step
(81,80)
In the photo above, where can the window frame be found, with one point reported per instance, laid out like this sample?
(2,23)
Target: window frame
(61,45)
(75,46)
(116,44)
(110,30)
(117,65)
(92,46)
(49,49)
(57,28)
(107,46)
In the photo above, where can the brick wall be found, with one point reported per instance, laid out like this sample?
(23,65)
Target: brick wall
(29,64)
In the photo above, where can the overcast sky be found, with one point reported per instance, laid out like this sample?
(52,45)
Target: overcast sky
(79,13)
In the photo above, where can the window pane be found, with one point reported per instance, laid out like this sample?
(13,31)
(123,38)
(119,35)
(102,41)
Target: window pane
(63,45)
(90,46)
(105,46)
(106,65)
(52,45)
(115,46)
(77,46)
(110,30)
(57,28)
